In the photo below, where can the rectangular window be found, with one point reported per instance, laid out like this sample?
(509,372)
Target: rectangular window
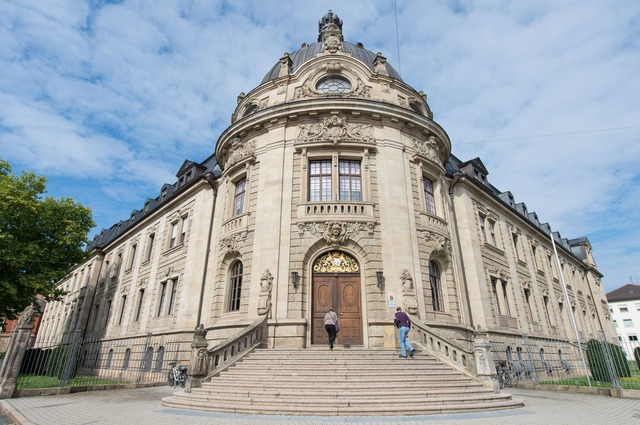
(496,298)
(507,309)
(492,232)
(95,316)
(545,301)
(132,256)
(514,236)
(320,180)
(123,304)
(429,198)
(628,323)
(174,234)
(163,294)
(633,338)
(527,299)
(238,200)
(106,319)
(350,183)
(624,309)
(140,304)
(482,219)
(172,298)
(183,233)
(150,239)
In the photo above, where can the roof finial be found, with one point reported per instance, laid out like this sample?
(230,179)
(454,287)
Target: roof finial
(330,20)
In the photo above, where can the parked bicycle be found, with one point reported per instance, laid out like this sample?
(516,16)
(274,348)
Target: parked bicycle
(177,375)
(502,375)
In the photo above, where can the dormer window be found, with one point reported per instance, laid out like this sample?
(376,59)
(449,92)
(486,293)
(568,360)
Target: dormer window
(333,85)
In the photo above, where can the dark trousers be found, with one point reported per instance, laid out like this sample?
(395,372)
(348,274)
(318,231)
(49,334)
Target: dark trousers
(331,331)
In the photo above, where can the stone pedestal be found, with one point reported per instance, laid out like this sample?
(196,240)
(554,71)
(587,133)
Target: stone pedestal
(13,359)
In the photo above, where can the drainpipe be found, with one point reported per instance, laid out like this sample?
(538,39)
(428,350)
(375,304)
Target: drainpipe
(210,179)
(456,178)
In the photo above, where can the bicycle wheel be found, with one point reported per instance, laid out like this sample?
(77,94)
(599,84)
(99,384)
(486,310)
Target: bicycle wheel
(171,380)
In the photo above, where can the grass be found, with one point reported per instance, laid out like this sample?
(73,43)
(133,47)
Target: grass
(632,383)
(41,381)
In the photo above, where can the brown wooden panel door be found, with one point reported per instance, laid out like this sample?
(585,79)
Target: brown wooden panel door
(349,311)
(342,291)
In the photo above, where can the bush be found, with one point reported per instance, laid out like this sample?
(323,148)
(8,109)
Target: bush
(636,355)
(597,361)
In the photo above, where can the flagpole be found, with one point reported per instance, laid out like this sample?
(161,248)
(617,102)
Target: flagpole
(566,296)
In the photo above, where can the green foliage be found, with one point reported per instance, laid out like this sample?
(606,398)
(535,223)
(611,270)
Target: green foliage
(598,363)
(636,355)
(40,239)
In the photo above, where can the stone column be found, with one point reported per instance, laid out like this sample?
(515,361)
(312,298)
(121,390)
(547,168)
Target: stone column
(15,355)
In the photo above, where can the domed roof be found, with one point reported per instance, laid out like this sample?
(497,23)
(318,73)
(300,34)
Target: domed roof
(330,22)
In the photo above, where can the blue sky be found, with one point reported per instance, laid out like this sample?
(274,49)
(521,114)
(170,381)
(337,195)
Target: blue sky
(108,98)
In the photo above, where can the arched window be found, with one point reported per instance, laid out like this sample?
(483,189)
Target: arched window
(127,356)
(148,358)
(235,286)
(159,358)
(109,359)
(436,288)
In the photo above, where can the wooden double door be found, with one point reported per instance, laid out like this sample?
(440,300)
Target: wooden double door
(342,291)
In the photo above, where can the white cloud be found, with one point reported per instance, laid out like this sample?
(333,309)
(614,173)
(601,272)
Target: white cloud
(110,98)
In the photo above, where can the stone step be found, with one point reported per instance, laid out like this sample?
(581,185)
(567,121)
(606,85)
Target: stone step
(376,408)
(354,382)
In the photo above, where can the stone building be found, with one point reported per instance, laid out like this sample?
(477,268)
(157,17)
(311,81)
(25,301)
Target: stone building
(334,186)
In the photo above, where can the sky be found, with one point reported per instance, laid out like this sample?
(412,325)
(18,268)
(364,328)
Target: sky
(108,98)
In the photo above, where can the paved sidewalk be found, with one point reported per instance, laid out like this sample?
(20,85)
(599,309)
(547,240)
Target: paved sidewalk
(142,407)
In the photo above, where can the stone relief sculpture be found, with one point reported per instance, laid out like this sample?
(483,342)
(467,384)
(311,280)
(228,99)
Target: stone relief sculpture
(429,149)
(408,293)
(335,129)
(239,151)
(335,233)
(231,244)
(439,244)
(26,317)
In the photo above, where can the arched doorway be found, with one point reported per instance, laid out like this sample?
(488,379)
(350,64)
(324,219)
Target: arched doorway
(336,282)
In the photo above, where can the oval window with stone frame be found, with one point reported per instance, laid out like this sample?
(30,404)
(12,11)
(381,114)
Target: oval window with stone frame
(333,85)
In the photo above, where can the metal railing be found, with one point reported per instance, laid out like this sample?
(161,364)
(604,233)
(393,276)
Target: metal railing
(84,363)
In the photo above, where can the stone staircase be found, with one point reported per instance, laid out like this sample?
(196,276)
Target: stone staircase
(350,382)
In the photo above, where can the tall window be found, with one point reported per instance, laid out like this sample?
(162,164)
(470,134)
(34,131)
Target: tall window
(238,200)
(174,234)
(320,180)
(436,289)
(172,297)
(545,300)
(123,303)
(514,236)
(183,233)
(527,299)
(492,232)
(150,240)
(140,303)
(429,198)
(482,219)
(132,256)
(494,290)
(350,184)
(163,294)
(235,286)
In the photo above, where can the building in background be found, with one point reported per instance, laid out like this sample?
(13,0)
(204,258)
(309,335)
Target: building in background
(334,186)
(624,305)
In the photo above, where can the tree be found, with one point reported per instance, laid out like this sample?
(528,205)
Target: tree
(40,239)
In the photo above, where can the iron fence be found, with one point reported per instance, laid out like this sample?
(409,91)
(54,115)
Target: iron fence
(560,362)
(73,361)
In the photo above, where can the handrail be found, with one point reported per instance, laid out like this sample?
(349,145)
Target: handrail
(237,346)
(461,358)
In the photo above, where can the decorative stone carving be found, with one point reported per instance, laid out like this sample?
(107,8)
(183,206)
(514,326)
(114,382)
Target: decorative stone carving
(330,28)
(333,66)
(26,317)
(439,244)
(335,129)
(231,244)
(361,90)
(336,262)
(264,301)
(335,233)
(239,151)
(408,293)
(380,65)
(428,149)
(285,65)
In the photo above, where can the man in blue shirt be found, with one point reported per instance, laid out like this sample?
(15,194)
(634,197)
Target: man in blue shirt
(403,322)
